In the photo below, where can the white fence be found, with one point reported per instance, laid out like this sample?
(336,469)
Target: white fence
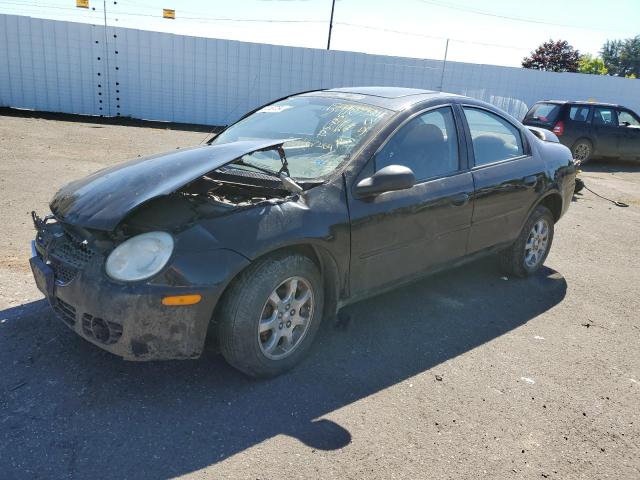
(80,68)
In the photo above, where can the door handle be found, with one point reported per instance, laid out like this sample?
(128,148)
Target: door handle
(531,180)
(460,199)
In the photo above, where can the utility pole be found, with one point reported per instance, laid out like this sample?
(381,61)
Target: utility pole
(444,63)
(333,6)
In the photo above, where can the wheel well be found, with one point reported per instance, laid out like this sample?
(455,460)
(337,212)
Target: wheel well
(554,203)
(328,269)
(584,138)
(326,265)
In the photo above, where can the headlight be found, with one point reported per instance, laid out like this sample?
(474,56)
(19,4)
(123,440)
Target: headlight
(140,257)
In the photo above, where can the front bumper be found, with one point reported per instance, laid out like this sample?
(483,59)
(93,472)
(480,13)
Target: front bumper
(129,319)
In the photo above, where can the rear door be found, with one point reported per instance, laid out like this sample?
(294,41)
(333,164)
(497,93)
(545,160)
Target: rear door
(629,124)
(606,133)
(399,234)
(577,124)
(506,177)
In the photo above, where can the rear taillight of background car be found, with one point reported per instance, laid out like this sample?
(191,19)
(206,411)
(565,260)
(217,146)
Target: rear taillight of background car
(558,128)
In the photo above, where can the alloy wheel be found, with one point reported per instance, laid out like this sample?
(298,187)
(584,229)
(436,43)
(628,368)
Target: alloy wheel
(537,243)
(581,152)
(285,318)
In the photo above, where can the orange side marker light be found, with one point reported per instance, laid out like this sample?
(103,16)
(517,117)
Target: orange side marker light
(181,300)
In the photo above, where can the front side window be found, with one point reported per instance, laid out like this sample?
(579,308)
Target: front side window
(427,144)
(626,119)
(323,133)
(605,116)
(494,139)
(579,113)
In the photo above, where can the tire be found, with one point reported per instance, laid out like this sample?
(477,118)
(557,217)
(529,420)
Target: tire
(517,260)
(248,306)
(582,150)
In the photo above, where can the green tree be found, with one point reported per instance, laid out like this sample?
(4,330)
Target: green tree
(611,56)
(622,57)
(553,56)
(593,65)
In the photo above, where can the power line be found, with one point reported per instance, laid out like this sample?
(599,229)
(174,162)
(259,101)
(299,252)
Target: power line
(464,8)
(401,32)
(38,5)
(120,13)
(255,20)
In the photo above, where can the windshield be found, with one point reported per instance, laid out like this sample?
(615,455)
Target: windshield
(323,132)
(543,112)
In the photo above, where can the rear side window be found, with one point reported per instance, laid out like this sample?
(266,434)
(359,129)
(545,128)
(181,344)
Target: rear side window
(493,137)
(579,113)
(605,116)
(543,113)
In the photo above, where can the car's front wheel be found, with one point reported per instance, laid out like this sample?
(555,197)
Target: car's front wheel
(530,250)
(270,315)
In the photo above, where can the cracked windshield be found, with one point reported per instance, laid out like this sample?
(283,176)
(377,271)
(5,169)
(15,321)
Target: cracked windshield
(321,132)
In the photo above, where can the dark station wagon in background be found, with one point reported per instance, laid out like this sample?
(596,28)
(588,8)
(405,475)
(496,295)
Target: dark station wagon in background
(302,206)
(590,129)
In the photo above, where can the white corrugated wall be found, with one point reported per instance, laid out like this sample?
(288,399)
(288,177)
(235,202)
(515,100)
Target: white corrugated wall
(69,67)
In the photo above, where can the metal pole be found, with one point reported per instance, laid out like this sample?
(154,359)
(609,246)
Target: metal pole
(444,64)
(105,80)
(333,5)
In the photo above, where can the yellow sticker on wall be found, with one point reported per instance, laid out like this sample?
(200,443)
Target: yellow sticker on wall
(82,3)
(168,13)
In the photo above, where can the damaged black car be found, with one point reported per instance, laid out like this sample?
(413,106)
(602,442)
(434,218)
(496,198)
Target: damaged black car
(302,206)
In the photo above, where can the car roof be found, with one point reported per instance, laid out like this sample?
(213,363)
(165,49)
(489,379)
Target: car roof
(384,92)
(392,98)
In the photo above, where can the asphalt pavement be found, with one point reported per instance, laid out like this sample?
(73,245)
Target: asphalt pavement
(467,374)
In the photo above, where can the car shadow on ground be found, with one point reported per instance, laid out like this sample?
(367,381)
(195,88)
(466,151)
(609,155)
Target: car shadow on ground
(69,409)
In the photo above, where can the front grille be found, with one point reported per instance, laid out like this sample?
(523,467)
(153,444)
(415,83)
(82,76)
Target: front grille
(73,251)
(103,331)
(66,312)
(62,273)
(65,252)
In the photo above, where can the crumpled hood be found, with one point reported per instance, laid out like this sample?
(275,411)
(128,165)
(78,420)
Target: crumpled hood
(104,198)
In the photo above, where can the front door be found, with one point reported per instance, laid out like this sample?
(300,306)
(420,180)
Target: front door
(606,133)
(629,124)
(396,235)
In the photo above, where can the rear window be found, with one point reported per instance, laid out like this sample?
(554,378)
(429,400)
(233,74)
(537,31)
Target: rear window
(543,113)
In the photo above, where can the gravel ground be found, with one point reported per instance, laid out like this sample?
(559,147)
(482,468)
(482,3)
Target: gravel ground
(463,375)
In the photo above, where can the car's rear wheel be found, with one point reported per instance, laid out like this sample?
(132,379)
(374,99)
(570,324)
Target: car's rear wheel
(270,315)
(582,150)
(530,250)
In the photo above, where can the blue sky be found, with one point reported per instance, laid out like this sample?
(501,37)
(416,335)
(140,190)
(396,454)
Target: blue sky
(499,32)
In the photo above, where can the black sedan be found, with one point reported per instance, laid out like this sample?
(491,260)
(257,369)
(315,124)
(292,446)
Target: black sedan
(304,205)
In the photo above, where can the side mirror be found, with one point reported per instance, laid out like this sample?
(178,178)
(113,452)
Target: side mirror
(387,179)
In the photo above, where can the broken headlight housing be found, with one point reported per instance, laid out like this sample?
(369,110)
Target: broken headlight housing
(140,257)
